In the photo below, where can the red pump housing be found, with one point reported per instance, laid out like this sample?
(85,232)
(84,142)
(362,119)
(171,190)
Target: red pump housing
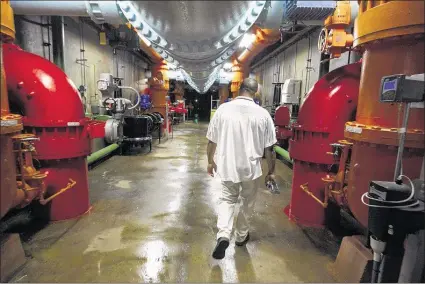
(329,105)
(282,121)
(54,112)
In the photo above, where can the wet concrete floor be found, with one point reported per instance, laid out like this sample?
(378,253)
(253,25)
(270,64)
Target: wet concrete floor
(154,220)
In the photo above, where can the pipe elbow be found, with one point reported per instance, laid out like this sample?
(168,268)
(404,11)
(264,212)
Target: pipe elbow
(333,100)
(42,91)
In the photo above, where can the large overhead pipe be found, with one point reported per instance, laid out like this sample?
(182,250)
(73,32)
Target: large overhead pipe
(99,11)
(261,38)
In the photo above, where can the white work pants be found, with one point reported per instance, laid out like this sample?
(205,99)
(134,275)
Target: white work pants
(226,208)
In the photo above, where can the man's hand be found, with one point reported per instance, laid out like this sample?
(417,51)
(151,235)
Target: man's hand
(271,162)
(270,177)
(210,154)
(210,169)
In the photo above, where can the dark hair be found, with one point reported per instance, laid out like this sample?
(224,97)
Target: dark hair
(249,85)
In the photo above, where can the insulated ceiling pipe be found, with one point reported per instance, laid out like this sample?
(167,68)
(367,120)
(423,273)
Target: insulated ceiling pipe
(99,11)
(263,38)
(53,111)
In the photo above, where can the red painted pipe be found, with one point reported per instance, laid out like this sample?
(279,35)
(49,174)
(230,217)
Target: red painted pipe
(53,111)
(321,120)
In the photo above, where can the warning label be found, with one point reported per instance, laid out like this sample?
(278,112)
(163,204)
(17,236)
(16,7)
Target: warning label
(353,129)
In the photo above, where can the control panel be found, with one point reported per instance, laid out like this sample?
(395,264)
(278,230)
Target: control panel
(402,88)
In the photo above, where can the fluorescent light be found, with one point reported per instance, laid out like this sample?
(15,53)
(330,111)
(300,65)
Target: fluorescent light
(171,65)
(242,55)
(247,40)
(143,38)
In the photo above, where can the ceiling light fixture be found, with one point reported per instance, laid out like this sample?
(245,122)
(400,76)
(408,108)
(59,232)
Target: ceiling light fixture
(143,38)
(247,40)
(242,55)
(227,65)
(171,65)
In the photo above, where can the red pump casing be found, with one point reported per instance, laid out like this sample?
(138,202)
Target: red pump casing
(321,121)
(282,121)
(53,111)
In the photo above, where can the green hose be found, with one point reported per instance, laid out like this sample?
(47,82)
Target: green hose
(282,152)
(101,153)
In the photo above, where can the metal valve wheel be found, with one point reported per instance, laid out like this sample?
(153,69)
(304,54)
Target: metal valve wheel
(322,42)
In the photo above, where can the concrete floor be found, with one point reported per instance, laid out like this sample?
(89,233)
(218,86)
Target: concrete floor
(153,220)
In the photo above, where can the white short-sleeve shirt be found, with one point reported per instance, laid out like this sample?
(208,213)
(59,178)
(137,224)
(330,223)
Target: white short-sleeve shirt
(242,130)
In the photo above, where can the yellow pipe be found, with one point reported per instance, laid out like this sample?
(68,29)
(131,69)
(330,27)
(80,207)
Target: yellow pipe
(305,188)
(7,26)
(71,184)
(263,38)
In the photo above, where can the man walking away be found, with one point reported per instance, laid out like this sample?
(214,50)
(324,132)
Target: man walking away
(240,132)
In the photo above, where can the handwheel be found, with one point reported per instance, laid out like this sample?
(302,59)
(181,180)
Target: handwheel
(322,42)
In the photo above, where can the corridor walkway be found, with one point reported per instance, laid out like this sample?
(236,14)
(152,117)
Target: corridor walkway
(153,219)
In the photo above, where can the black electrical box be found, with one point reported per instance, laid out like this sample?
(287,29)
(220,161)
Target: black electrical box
(402,88)
(402,216)
(389,190)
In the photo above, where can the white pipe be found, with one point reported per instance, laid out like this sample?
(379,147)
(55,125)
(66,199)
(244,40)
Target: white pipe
(137,94)
(99,11)
(50,8)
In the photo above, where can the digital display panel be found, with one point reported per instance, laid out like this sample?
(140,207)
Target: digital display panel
(390,85)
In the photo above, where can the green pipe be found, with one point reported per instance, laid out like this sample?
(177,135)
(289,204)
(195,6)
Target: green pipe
(101,153)
(282,152)
(101,117)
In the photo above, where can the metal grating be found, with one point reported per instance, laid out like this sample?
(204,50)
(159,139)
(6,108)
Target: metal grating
(307,10)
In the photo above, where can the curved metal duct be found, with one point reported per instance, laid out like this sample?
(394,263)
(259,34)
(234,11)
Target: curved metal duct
(196,36)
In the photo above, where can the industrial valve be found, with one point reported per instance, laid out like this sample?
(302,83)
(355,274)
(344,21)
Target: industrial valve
(30,182)
(114,132)
(333,38)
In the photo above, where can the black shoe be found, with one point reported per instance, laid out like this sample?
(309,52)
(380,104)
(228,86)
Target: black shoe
(239,244)
(220,249)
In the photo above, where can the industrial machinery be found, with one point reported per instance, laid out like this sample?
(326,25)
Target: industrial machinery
(20,181)
(391,203)
(177,111)
(53,112)
(328,106)
(365,148)
(344,149)
(126,127)
(286,111)
(145,100)
(291,91)
(282,121)
(333,38)
(47,107)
